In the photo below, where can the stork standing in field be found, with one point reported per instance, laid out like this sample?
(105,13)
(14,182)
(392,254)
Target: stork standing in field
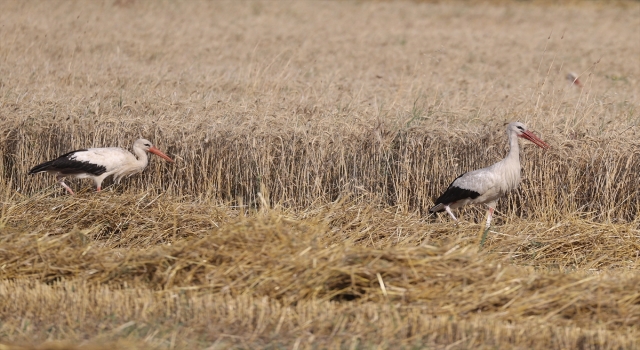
(487,185)
(98,163)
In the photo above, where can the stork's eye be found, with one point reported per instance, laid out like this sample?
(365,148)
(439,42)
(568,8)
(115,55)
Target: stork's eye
(148,145)
(521,128)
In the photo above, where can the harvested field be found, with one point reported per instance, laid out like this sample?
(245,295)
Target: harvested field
(310,141)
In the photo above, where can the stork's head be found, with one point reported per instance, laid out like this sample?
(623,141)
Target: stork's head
(520,130)
(147,146)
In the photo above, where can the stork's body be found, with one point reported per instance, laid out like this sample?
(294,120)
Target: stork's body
(487,185)
(99,163)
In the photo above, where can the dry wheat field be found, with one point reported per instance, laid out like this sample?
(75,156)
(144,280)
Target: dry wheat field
(310,139)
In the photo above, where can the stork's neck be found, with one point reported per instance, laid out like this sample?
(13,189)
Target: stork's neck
(508,169)
(514,148)
(142,157)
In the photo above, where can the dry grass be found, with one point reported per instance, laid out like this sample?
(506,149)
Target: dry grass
(310,141)
(273,276)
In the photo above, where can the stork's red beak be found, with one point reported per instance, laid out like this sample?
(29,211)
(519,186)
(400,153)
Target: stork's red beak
(157,152)
(535,139)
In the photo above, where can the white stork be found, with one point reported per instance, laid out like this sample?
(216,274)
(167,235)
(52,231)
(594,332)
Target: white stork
(98,163)
(487,185)
(573,80)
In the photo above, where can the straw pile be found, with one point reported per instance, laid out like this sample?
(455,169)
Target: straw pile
(334,260)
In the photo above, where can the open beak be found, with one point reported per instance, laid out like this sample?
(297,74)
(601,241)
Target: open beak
(535,139)
(157,152)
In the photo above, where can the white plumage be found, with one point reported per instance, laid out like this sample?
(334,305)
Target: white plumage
(99,163)
(487,185)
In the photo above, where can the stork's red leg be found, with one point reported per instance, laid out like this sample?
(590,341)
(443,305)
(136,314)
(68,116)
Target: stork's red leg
(61,182)
(446,207)
(489,216)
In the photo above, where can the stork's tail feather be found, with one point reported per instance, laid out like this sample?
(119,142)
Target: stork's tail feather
(437,208)
(40,168)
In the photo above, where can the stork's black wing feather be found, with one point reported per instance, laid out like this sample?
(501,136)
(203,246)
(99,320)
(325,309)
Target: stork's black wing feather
(453,194)
(67,165)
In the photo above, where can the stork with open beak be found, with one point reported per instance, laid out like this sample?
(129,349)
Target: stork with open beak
(99,163)
(487,185)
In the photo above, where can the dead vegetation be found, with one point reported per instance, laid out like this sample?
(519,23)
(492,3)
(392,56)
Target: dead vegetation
(309,143)
(332,263)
